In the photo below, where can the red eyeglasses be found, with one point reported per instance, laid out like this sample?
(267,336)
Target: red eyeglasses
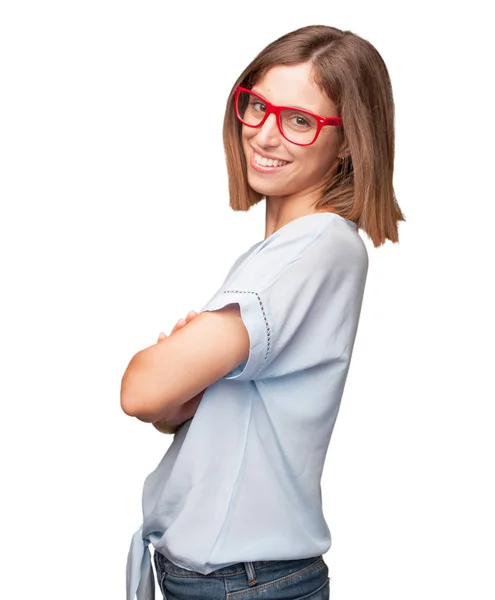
(298,126)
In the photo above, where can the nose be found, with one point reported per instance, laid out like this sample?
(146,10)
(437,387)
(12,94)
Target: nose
(268,134)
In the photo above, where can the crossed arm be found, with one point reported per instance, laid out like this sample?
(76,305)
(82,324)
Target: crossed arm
(166,381)
(186,411)
(171,422)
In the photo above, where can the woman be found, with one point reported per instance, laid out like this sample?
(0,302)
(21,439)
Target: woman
(234,507)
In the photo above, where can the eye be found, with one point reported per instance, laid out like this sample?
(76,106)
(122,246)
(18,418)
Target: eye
(257,105)
(300,121)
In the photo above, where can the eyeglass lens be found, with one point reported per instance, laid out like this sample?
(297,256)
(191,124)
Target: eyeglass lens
(298,127)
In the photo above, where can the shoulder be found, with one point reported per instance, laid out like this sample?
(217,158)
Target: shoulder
(301,249)
(341,244)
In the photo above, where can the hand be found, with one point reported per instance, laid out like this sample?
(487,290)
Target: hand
(179,325)
(185,411)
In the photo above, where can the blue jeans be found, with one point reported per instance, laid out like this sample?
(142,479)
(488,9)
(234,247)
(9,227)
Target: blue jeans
(305,578)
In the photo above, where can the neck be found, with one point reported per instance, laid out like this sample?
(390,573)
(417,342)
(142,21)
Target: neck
(281,210)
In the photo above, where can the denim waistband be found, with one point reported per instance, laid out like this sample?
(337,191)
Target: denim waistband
(248,568)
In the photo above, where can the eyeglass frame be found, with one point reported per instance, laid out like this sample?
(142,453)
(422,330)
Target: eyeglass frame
(276,110)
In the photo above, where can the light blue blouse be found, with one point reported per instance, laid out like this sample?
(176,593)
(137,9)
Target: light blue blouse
(241,480)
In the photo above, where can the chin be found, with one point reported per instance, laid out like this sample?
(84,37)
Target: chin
(266,189)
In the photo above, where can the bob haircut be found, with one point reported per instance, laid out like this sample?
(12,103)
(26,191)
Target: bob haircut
(351,72)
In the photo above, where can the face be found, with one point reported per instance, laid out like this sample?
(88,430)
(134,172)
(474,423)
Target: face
(306,167)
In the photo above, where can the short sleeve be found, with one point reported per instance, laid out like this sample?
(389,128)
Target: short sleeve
(253,315)
(299,302)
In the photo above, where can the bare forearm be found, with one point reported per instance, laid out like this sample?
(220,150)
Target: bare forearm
(171,421)
(170,417)
(167,425)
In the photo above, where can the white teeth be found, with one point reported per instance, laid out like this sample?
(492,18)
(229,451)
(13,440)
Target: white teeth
(268,162)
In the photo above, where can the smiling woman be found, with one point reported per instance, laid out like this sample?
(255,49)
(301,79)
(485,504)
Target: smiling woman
(234,506)
(293,136)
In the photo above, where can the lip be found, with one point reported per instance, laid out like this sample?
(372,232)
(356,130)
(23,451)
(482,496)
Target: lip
(261,168)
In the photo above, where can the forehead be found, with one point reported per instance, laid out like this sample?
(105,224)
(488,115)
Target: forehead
(293,85)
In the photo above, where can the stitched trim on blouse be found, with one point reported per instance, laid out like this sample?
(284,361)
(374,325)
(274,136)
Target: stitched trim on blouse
(267,325)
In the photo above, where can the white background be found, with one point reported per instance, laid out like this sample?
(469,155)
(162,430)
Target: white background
(115,223)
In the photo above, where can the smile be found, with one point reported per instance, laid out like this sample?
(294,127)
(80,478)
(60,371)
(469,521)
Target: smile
(263,164)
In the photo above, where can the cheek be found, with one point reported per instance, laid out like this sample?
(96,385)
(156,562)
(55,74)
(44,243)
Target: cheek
(247,133)
(321,158)
(327,145)
(245,142)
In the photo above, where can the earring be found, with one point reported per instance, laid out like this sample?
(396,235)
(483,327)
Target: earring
(341,160)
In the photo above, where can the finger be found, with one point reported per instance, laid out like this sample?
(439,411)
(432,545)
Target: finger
(190,315)
(180,323)
(162,336)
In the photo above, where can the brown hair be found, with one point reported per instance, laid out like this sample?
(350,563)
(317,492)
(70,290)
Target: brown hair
(351,72)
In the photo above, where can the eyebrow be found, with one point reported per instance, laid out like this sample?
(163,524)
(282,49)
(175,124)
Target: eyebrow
(290,106)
